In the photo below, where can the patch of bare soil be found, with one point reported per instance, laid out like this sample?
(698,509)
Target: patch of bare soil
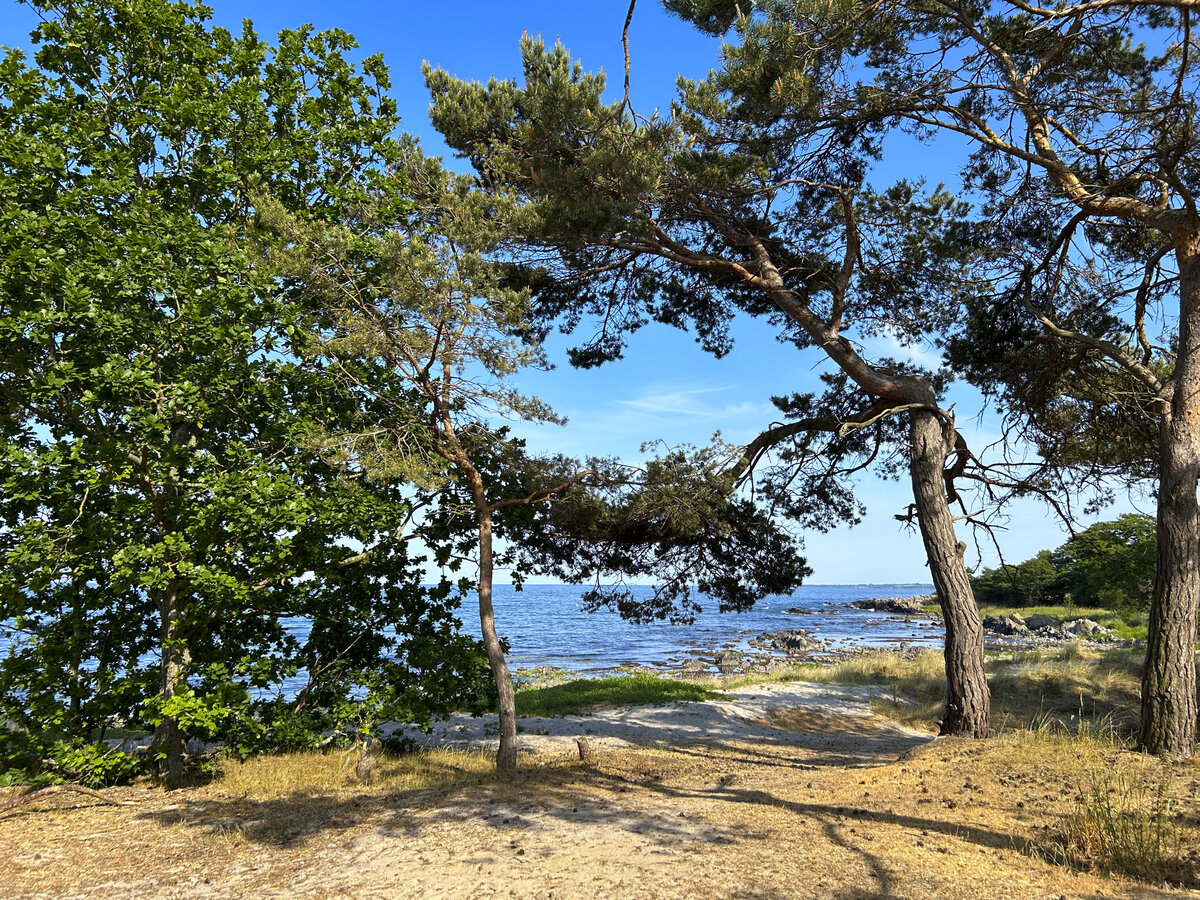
(798,816)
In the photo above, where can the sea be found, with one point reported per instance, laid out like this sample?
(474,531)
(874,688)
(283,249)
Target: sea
(547,628)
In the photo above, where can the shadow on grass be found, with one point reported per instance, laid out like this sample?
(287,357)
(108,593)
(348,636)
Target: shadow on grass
(530,804)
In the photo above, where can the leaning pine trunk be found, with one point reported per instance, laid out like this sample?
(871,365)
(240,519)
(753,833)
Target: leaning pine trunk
(1169,680)
(506,755)
(968,704)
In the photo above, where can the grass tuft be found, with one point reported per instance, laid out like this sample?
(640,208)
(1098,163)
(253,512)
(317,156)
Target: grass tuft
(1127,825)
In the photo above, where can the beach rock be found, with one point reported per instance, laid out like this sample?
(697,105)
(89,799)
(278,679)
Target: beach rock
(1055,635)
(907,606)
(1085,627)
(794,643)
(694,667)
(729,661)
(795,611)
(1009,625)
(767,664)
(1038,621)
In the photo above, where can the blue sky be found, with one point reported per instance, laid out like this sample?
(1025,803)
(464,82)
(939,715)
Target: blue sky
(666,388)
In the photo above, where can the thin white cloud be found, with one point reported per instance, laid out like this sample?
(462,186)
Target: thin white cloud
(692,402)
(672,413)
(888,344)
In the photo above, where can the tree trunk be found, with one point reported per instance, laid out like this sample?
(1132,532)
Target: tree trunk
(168,737)
(1169,705)
(968,704)
(506,755)
(75,688)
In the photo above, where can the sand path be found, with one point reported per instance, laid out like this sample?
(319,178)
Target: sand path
(819,716)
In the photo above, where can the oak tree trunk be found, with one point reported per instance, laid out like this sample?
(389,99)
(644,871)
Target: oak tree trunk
(169,739)
(968,703)
(1169,706)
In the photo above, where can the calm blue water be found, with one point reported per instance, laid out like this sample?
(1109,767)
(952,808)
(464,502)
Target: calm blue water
(546,626)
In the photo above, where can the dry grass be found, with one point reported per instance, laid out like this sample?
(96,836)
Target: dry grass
(332,773)
(952,819)
(1034,812)
(1066,688)
(1129,822)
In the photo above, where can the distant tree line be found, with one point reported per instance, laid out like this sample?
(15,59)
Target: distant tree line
(1108,565)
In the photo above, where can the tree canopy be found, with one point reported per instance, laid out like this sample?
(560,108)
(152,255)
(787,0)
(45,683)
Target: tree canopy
(738,204)
(1082,126)
(164,502)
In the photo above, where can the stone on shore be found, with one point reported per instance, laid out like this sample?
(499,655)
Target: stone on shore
(1085,627)
(1007,625)
(729,661)
(906,606)
(796,642)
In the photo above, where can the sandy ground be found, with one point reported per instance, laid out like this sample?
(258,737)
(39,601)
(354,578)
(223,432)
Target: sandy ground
(742,715)
(782,791)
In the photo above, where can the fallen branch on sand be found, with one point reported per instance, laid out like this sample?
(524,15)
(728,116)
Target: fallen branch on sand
(26,799)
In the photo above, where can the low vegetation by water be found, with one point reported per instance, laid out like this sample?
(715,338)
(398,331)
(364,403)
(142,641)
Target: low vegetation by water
(1127,624)
(1067,688)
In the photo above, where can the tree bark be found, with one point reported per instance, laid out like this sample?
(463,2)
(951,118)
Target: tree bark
(168,737)
(968,703)
(1169,705)
(506,755)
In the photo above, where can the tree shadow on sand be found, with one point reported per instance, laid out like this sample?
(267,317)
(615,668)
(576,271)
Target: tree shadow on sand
(635,797)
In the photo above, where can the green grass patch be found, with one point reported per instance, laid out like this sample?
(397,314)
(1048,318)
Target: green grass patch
(574,697)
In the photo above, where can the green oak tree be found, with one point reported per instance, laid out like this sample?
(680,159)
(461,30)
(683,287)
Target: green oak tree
(164,504)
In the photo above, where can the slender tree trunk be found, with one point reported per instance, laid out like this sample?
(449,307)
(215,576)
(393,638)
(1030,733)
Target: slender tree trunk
(1169,706)
(968,703)
(75,689)
(506,755)
(168,737)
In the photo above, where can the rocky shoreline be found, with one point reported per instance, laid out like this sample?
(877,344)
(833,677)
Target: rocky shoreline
(777,649)
(904,606)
